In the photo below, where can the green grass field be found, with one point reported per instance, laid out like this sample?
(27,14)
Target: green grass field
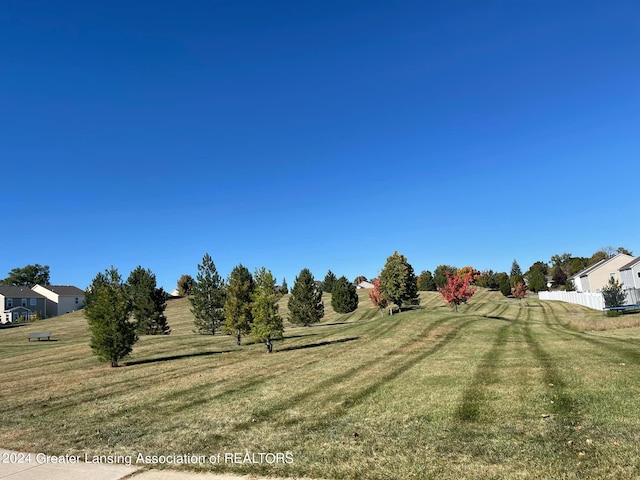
(500,389)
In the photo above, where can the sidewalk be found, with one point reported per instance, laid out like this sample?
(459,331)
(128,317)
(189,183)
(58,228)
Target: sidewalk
(31,466)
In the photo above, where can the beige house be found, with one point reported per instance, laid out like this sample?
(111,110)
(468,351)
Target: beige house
(592,279)
(61,299)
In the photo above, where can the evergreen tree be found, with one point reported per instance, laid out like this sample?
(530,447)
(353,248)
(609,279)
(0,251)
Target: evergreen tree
(149,303)
(267,324)
(503,283)
(185,285)
(237,307)
(207,298)
(613,293)
(426,283)
(344,298)
(398,281)
(284,288)
(537,277)
(516,275)
(329,280)
(108,309)
(305,303)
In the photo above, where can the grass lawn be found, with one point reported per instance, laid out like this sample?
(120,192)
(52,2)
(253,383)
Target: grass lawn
(500,389)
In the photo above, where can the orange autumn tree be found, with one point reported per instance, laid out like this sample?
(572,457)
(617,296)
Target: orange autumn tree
(470,272)
(456,290)
(376,295)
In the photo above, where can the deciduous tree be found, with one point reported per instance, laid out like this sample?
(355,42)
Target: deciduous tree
(108,308)
(207,298)
(185,285)
(456,290)
(440,274)
(344,298)
(305,303)
(376,297)
(520,290)
(237,305)
(28,276)
(426,283)
(398,282)
(267,324)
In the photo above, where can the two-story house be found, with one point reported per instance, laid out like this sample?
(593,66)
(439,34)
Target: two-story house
(20,302)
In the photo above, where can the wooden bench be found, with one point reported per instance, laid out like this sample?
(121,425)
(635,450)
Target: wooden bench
(40,335)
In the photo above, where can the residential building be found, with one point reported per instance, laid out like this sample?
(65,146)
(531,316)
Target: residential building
(20,302)
(61,299)
(593,278)
(630,276)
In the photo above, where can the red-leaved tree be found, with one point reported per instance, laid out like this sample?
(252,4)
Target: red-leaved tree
(456,290)
(520,290)
(376,295)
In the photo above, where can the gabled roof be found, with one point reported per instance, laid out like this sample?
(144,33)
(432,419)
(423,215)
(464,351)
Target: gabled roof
(631,264)
(64,290)
(590,269)
(601,263)
(15,292)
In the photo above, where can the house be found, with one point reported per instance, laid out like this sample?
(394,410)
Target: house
(61,299)
(630,276)
(593,278)
(364,285)
(20,302)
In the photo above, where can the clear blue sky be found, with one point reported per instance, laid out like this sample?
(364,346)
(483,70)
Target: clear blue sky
(318,134)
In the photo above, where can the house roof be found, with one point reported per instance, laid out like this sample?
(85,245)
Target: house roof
(23,292)
(590,269)
(65,290)
(631,264)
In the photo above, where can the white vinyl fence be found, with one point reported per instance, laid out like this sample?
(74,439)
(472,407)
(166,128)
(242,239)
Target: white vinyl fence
(591,300)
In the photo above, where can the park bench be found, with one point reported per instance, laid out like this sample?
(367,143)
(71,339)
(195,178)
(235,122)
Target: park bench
(40,335)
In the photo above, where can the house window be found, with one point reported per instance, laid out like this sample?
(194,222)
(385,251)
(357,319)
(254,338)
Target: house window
(638,274)
(9,302)
(76,300)
(24,302)
(33,301)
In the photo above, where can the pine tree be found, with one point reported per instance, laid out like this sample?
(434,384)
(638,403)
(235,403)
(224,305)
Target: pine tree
(267,324)
(398,281)
(305,303)
(329,280)
(344,298)
(108,309)
(284,288)
(516,275)
(207,298)
(237,307)
(149,303)
(613,293)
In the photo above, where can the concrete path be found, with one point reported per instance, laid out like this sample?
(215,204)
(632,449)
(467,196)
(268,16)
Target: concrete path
(31,466)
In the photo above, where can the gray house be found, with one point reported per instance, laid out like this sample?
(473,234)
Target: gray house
(20,302)
(61,299)
(630,276)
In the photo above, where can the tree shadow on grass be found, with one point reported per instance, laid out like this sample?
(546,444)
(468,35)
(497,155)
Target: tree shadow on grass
(175,357)
(498,318)
(319,344)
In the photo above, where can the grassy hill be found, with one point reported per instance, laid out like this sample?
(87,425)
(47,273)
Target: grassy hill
(501,389)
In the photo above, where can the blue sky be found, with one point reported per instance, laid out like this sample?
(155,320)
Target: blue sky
(318,134)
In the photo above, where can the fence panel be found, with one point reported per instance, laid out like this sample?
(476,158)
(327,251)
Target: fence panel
(590,300)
